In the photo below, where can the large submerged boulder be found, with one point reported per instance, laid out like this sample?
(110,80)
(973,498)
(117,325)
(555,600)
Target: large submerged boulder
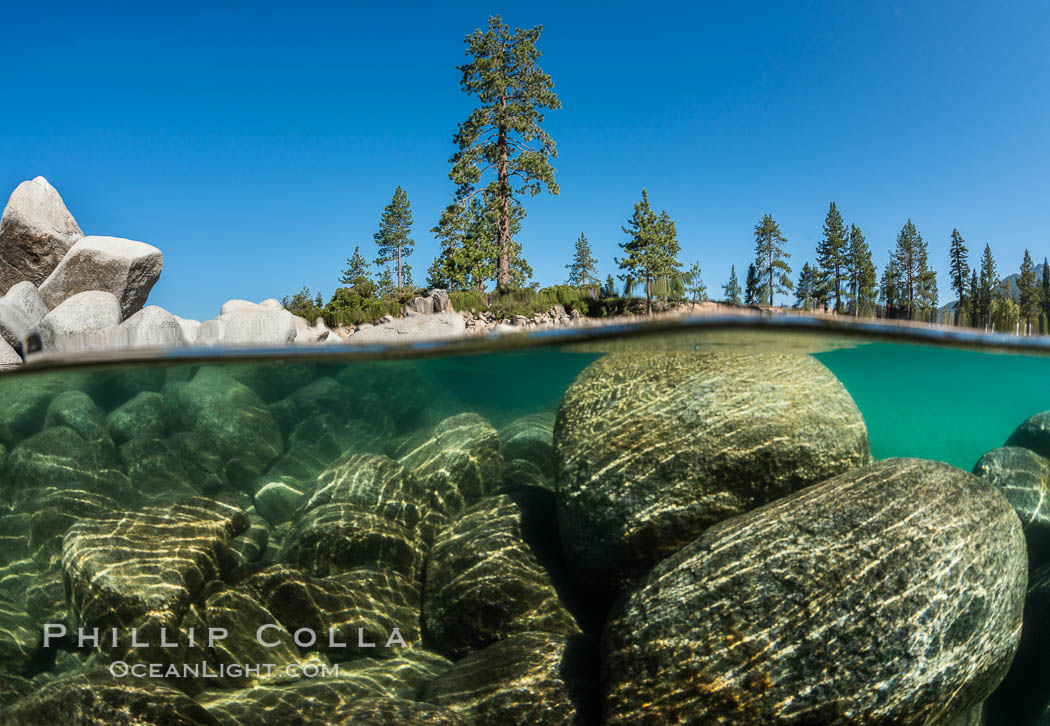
(36,231)
(484,583)
(1023,477)
(889,594)
(651,449)
(123,267)
(529,678)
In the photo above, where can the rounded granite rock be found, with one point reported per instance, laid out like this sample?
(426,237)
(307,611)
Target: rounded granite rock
(1033,434)
(529,678)
(651,449)
(889,594)
(531,438)
(1023,477)
(484,583)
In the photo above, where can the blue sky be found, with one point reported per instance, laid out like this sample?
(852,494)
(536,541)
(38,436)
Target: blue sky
(257,143)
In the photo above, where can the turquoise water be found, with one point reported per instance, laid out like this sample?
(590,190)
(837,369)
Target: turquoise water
(946,404)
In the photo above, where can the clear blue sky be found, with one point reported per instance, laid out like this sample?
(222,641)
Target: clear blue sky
(256,144)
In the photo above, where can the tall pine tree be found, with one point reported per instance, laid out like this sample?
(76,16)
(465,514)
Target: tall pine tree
(1028,293)
(731,289)
(917,293)
(974,299)
(770,258)
(502,138)
(959,270)
(832,255)
(651,247)
(1044,289)
(988,286)
(393,238)
(861,273)
(583,270)
(889,289)
(694,284)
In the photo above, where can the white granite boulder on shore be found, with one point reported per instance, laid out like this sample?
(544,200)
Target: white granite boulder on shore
(36,231)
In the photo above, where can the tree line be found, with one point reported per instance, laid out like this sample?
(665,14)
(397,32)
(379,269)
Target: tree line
(503,155)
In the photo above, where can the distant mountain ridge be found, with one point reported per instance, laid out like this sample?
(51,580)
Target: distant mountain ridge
(1015,291)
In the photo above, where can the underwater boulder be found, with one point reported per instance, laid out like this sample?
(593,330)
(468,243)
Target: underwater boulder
(1033,434)
(143,415)
(651,449)
(272,380)
(231,416)
(76,410)
(97,698)
(24,402)
(519,473)
(111,386)
(888,594)
(146,562)
(530,438)
(332,538)
(526,679)
(458,458)
(20,645)
(375,483)
(357,606)
(484,583)
(60,457)
(156,469)
(250,545)
(359,695)
(277,501)
(398,389)
(1023,477)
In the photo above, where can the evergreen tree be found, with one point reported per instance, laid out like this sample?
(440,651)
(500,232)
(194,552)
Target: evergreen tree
(861,273)
(1044,289)
(752,286)
(731,289)
(832,255)
(694,284)
(988,284)
(469,253)
(889,288)
(393,239)
(385,283)
(652,248)
(1029,293)
(609,289)
(974,299)
(583,270)
(770,258)
(502,137)
(959,269)
(319,300)
(917,283)
(356,267)
(804,289)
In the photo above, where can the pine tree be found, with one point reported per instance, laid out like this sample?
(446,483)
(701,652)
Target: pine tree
(804,289)
(1029,293)
(916,281)
(583,270)
(975,299)
(502,137)
(652,248)
(769,258)
(752,286)
(988,285)
(889,288)
(609,289)
(832,254)
(959,269)
(1044,289)
(694,284)
(731,289)
(861,273)
(393,239)
(319,300)
(356,267)
(385,283)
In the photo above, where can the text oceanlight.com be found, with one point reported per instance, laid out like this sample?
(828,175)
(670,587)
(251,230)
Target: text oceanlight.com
(121,669)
